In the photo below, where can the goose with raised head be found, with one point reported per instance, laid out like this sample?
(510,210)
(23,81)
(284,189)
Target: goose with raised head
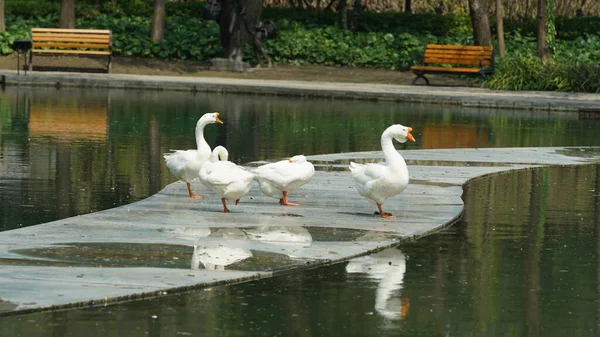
(185,164)
(228,180)
(378,182)
(277,179)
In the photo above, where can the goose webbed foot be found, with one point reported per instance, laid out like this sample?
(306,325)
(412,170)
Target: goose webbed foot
(384,214)
(192,195)
(285,202)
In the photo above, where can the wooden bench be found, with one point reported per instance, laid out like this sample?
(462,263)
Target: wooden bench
(80,42)
(466,60)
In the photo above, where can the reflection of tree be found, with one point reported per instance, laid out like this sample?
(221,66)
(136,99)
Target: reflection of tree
(533,247)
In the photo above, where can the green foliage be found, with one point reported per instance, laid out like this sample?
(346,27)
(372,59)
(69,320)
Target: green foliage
(527,72)
(337,47)
(31,9)
(566,28)
(386,22)
(551,27)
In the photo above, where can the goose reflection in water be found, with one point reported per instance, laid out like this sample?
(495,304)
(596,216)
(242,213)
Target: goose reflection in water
(217,257)
(388,268)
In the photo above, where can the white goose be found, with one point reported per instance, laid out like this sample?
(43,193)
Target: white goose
(185,164)
(378,182)
(229,181)
(276,180)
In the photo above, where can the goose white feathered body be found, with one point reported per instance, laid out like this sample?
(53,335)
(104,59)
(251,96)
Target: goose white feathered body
(279,178)
(228,180)
(378,182)
(185,164)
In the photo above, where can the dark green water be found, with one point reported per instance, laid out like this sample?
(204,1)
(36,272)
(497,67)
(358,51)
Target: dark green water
(524,261)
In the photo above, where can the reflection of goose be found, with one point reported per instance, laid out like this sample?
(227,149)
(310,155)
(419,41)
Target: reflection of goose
(217,258)
(388,267)
(185,164)
(229,181)
(378,182)
(293,234)
(291,241)
(277,179)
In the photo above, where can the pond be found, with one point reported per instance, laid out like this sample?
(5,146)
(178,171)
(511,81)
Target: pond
(524,261)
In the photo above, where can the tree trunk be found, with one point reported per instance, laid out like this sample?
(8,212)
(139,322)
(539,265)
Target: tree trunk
(356,13)
(481,25)
(158,20)
(543,49)
(343,15)
(237,23)
(500,28)
(408,6)
(2,23)
(67,14)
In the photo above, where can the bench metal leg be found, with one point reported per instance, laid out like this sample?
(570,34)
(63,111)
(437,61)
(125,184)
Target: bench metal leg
(414,81)
(109,65)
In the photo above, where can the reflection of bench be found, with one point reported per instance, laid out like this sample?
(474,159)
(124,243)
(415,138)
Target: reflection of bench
(68,122)
(80,42)
(466,60)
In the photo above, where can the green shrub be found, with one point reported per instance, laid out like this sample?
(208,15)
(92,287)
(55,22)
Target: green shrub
(337,47)
(526,72)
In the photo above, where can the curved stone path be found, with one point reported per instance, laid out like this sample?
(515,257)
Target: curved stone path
(147,248)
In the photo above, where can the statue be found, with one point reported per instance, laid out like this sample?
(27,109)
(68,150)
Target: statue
(239,23)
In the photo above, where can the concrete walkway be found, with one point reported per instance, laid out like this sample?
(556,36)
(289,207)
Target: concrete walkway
(146,249)
(473,97)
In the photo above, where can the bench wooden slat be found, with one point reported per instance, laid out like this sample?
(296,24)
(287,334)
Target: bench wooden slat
(83,38)
(458,61)
(62,51)
(463,53)
(66,30)
(458,47)
(446,69)
(71,45)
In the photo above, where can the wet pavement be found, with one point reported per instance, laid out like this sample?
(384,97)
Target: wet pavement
(171,243)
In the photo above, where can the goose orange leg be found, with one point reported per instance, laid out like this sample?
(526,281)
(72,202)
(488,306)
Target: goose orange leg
(225,209)
(192,195)
(384,214)
(285,202)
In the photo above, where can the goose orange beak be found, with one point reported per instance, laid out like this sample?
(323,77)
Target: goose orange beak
(409,136)
(218,120)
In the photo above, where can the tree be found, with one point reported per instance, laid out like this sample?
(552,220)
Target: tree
(545,29)
(343,14)
(500,28)
(158,20)
(67,14)
(480,21)
(2,24)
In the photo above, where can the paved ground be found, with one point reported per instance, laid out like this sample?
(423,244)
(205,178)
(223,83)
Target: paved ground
(146,248)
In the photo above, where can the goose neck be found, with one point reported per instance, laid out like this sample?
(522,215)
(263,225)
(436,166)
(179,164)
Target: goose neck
(200,141)
(392,156)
